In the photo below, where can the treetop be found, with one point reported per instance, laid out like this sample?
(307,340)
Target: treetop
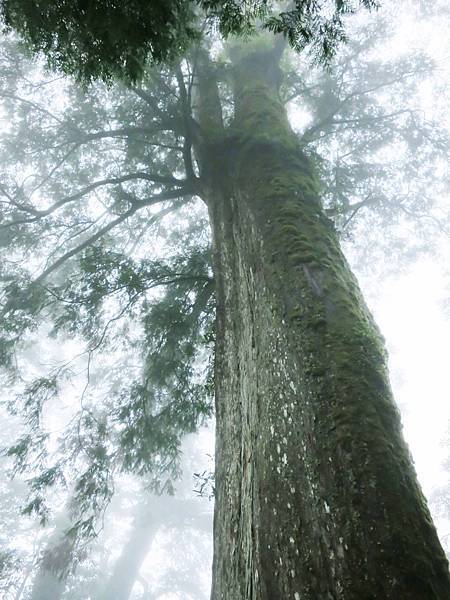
(107,39)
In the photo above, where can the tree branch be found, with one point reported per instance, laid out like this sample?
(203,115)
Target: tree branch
(187,119)
(328,119)
(100,233)
(431,218)
(38,107)
(151,101)
(352,208)
(39,214)
(120,219)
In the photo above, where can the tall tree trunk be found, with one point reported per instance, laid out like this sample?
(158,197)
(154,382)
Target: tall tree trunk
(316,496)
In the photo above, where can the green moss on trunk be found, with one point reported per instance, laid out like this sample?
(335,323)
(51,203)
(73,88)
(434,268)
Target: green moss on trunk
(317,497)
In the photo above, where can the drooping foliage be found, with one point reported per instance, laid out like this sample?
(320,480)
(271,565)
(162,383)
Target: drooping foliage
(136,286)
(95,261)
(108,39)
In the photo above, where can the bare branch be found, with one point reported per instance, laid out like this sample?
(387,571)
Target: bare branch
(329,118)
(428,217)
(56,167)
(38,107)
(39,214)
(100,233)
(352,208)
(150,100)
(80,137)
(120,219)
(126,132)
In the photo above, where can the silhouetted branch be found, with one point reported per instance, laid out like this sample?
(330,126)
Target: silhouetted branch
(39,214)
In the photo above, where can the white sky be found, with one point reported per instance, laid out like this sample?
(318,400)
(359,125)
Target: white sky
(410,313)
(413,313)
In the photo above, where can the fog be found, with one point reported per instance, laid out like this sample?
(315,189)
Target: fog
(108,292)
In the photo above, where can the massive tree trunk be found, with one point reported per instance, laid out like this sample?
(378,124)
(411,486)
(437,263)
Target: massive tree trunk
(316,496)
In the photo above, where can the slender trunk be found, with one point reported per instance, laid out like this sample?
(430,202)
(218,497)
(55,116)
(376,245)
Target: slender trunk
(316,496)
(155,512)
(127,567)
(50,579)
(48,585)
(23,583)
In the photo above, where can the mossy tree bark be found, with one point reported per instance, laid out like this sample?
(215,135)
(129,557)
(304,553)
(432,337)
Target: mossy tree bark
(316,496)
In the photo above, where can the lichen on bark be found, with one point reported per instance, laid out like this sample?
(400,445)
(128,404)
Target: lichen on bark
(316,493)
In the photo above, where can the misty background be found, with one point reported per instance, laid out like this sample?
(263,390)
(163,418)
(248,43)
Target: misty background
(154,532)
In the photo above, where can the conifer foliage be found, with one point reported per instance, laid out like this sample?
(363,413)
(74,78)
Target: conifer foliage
(109,39)
(104,226)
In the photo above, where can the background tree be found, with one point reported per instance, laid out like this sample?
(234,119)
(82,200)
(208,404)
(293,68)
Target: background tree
(152,514)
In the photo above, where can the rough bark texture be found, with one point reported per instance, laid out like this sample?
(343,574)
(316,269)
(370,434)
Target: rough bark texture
(316,496)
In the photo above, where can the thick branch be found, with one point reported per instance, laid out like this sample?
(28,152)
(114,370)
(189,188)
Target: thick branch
(352,209)
(151,101)
(139,175)
(187,119)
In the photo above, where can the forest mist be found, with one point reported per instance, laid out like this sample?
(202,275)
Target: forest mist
(108,302)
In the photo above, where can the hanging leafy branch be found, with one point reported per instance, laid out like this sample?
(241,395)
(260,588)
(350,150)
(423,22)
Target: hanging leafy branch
(108,40)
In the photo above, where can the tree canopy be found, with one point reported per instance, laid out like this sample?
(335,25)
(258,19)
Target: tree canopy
(106,39)
(94,258)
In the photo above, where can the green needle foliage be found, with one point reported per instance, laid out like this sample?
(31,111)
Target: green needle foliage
(103,38)
(93,257)
(116,39)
